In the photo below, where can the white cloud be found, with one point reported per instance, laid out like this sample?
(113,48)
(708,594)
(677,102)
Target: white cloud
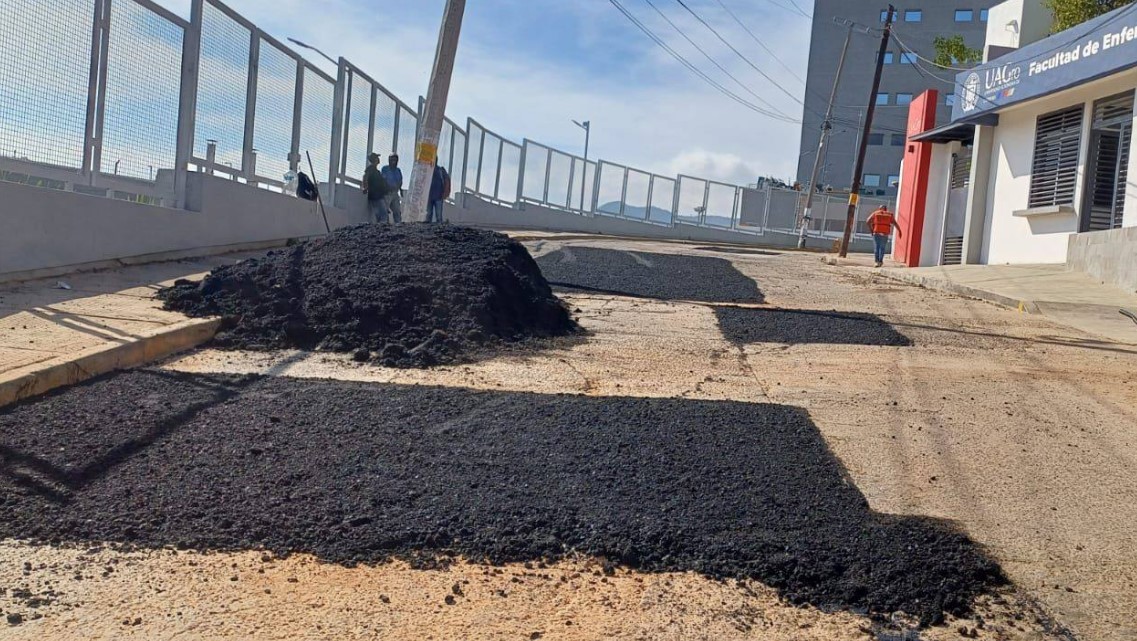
(717,166)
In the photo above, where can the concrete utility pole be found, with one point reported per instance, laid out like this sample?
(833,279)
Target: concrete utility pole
(430,128)
(826,127)
(855,189)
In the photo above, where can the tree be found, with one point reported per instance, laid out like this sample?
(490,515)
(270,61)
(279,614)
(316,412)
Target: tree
(1070,13)
(954,51)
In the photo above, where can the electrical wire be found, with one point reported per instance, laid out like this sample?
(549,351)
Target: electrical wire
(686,63)
(713,61)
(759,41)
(739,53)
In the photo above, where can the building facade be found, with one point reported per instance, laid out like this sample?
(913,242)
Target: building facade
(1040,142)
(905,77)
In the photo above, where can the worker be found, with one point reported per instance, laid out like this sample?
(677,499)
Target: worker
(375,188)
(881,222)
(394,177)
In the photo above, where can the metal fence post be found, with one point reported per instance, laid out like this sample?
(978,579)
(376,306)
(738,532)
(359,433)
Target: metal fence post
(251,104)
(521,170)
(595,198)
(650,193)
(101,93)
(706,200)
(571,180)
(187,102)
(92,89)
(675,200)
(481,157)
(395,128)
(297,115)
(371,120)
(497,178)
(548,173)
(624,193)
(339,98)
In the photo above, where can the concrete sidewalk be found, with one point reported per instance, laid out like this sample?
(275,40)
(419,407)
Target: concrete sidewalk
(1067,297)
(64,330)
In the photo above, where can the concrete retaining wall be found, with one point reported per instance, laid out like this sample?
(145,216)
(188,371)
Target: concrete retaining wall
(46,230)
(49,232)
(1110,256)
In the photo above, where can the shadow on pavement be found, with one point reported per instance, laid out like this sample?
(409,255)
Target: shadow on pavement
(353,472)
(649,275)
(743,326)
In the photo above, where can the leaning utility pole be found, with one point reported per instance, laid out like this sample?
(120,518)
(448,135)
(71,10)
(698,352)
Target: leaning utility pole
(855,189)
(430,128)
(826,127)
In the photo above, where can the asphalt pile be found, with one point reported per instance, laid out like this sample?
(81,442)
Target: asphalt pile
(405,296)
(358,473)
(649,275)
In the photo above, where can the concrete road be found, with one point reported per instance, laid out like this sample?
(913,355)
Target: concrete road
(1022,431)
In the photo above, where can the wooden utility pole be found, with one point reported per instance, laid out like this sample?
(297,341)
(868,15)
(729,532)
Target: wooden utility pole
(434,110)
(826,127)
(858,170)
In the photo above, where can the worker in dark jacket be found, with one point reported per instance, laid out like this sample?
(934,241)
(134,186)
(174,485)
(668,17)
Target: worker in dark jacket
(439,192)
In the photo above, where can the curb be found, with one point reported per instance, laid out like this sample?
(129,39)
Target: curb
(939,284)
(32,381)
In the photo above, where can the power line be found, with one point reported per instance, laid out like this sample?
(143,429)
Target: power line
(739,53)
(759,41)
(713,61)
(678,57)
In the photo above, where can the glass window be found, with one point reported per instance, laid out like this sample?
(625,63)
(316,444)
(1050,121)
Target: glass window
(964,15)
(876,139)
(893,180)
(882,99)
(907,58)
(898,140)
(914,15)
(903,98)
(884,15)
(983,15)
(949,100)
(888,57)
(872,180)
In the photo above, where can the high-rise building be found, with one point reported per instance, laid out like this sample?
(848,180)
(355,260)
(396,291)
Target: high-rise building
(905,76)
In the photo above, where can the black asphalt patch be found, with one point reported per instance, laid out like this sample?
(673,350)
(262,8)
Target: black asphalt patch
(744,326)
(738,250)
(360,473)
(649,275)
(404,296)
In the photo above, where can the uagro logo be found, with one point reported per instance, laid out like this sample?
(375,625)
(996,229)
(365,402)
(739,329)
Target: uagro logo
(970,98)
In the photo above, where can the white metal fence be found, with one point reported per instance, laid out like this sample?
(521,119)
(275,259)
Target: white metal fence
(125,98)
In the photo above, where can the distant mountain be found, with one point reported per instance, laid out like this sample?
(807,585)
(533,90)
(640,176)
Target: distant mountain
(657,214)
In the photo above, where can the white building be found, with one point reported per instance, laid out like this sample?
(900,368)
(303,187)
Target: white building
(1034,166)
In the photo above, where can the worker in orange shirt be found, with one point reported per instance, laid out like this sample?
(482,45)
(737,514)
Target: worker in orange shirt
(881,222)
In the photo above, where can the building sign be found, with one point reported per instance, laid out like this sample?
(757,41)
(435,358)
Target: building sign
(1102,46)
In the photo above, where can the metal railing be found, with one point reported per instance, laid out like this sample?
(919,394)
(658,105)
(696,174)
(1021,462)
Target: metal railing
(126,98)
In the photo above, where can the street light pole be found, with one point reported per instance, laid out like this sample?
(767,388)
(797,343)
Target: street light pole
(826,127)
(434,110)
(311,48)
(587,127)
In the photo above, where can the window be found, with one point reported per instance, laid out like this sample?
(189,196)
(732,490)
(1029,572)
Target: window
(882,99)
(914,15)
(884,15)
(872,180)
(1054,170)
(964,15)
(876,139)
(983,15)
(903,98)
(949,99)
(907,58)
(893,180)
(888,57)
(898,140)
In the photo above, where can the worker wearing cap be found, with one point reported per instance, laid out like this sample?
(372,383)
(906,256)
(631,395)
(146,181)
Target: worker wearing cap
(394,199)
(881,222)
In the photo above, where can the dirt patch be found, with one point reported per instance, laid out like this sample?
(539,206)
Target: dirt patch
(406,296)
(649,275)
(360,473)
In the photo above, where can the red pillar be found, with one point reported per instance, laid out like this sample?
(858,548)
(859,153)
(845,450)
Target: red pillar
(914,180)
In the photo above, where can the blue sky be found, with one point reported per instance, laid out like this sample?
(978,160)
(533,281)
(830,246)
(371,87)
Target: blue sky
(526,67)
